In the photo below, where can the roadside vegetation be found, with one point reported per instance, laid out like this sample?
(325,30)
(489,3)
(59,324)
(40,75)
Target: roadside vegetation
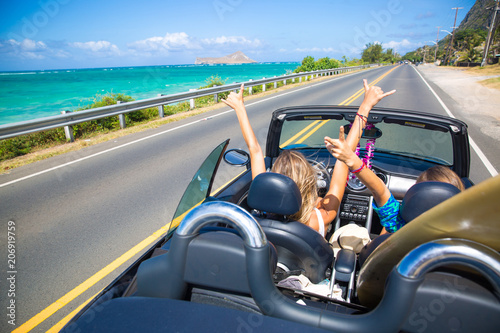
(373,53)
(25,144)
(467,47)
(309,64)
(29,148)
(493,83)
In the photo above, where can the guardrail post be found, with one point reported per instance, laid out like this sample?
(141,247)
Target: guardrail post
(216,95)
(191,101)
(250,90)
(275,83)
(161,111)
(121,118)
(68,130)
(263,86)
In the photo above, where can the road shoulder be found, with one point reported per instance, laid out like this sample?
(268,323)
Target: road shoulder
(472,102)
(477,103)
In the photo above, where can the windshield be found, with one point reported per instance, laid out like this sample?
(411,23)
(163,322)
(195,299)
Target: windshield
(398,137)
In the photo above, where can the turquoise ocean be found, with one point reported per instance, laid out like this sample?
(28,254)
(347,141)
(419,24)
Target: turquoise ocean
(28,95)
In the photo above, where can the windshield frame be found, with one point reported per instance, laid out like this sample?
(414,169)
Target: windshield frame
(456,128)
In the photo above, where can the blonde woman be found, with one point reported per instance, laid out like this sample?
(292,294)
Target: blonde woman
(315,212)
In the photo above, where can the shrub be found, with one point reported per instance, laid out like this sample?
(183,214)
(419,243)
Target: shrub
(308,64)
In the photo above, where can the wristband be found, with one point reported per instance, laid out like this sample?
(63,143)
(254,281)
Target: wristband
(363,118)
(360,168)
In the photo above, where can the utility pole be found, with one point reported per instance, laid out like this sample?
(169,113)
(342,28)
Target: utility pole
(453,32)
(437,45)
(490,35)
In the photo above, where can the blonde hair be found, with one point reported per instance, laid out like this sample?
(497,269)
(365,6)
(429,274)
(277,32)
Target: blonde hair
(441,174)
(294,165)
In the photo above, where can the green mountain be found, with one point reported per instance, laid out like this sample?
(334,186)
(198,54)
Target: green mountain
(479,16)
(469,40)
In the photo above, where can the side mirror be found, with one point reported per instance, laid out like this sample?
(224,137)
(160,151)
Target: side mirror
(237,157)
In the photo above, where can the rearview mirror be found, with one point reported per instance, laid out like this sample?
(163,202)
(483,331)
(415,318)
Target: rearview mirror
(371,133)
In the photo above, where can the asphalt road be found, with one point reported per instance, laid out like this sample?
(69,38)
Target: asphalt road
(74,214)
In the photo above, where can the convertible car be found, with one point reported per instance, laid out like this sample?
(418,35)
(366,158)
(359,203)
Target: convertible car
(233,262)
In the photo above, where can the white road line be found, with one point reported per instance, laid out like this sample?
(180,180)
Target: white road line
(491,169)
(160,133)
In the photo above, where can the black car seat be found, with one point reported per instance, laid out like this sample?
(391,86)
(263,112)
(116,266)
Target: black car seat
(418,199)
(423,196)
(471,215)
(299,247)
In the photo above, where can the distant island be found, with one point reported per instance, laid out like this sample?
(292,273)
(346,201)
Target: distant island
(234,58)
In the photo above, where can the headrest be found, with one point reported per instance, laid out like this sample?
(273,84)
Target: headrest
(423,196)
(274,193)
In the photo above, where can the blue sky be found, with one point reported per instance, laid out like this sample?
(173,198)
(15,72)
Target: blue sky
(55,34)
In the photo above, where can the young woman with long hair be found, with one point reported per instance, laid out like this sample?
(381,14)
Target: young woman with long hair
(315,212)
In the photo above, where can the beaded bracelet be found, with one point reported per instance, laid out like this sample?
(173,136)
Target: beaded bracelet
(360,168)
(364,118)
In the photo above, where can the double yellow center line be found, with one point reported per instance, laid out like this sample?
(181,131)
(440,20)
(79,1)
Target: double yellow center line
(317,124)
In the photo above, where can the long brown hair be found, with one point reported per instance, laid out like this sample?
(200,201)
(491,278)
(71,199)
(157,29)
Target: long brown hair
(441,174)
(294,165)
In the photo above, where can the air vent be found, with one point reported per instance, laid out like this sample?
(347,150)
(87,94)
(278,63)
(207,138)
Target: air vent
(382,176)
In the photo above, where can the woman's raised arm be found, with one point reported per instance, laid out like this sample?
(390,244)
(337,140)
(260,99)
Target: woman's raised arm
(331,202)
(256,156)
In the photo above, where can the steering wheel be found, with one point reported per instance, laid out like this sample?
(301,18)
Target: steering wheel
(322,176)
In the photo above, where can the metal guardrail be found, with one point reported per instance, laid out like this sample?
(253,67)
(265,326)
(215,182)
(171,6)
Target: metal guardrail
(67,119)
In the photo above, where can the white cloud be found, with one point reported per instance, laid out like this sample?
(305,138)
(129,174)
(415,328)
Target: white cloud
(170,42)
(316,49)
(26,45)
(29,49)
(232,41)
(181,42)
(32,46)
(401,47)
(83,53)
(102,47)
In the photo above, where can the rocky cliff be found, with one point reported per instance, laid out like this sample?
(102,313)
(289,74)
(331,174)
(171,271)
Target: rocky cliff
(479,16)
(234,58)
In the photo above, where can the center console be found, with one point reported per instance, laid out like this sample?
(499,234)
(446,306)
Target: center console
(355,209)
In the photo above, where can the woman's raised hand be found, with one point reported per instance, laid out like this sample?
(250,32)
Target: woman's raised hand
(374,94)
(235,100)
(340,149)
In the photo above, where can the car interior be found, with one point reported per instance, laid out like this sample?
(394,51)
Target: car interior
(235,260)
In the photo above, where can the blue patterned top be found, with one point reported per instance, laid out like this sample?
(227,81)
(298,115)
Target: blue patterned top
(389,214)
